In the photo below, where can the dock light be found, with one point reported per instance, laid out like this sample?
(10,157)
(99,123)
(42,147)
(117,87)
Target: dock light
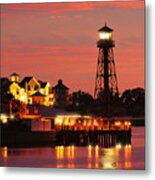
(79,121)
(96,147)
(89,151)
(89,147)
(127,123)
(23,98)
(95,123)
(4,118)
(4,121)
(89,123)
(118,146)
(58,121)
(5,152)
(96,151)
(105,33)
(117,123)
(66,123)
(12,116)
(61,147)
(84,123)
(72,146)
(72,123)
(128,146)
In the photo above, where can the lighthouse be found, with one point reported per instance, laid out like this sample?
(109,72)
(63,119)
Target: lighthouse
(106,78)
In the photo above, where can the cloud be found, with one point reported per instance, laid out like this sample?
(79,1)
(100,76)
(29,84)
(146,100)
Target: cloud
(58,40)
(46,8)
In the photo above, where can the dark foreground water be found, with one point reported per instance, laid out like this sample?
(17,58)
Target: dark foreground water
(129,156)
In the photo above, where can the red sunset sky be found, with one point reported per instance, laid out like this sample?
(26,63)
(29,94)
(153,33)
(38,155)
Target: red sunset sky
(58,41)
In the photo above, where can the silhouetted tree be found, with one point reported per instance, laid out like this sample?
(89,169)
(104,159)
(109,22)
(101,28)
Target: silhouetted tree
(8,103)
(134,101)
(114,104)
(81,102)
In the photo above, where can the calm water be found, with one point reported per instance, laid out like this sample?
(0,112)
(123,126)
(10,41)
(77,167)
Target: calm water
(118,157)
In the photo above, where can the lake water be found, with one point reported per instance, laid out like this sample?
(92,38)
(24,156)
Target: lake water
(118,157)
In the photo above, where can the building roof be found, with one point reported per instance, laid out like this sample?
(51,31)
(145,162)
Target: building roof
(14,74)
(105,28)
(42,84)
(37,94)
(60,85)
(26,79)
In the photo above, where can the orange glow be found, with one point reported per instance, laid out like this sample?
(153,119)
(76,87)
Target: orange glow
(117,123)
(59,165)
(58,120)
(69,152)
(5,152)
(127,152)
(128,164)
(97,165)
(89,151)
(95,123)
(4,118)
(84,123)
(12,116)
(89,165)
(59,152)
(118,146)
(71,165)
(72,122)
(117,150)
(127,123)
(66,123)
(96,152)
(72,152)
(89,124)
(109,159)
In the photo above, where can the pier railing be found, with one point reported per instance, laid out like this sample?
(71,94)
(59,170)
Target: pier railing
(88,123)
(87,130)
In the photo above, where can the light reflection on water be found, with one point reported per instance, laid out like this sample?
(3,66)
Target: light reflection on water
(119,157)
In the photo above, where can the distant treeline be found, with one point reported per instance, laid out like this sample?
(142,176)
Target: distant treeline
(130,103)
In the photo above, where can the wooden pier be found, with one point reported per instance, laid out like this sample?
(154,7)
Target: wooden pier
(86,130)
(68,130)
(83,138)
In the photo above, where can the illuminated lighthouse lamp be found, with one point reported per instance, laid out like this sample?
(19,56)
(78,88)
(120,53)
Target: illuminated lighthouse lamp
(105,33)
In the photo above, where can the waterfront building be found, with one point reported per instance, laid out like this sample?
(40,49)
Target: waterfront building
(11,86)
(14,77)
(46,89)
(61,93)
(38,98)
(29,90)
(18,92)
(31,86)
(37,91)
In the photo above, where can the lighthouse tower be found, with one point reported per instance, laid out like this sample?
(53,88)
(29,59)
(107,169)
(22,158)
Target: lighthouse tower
(106,79)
